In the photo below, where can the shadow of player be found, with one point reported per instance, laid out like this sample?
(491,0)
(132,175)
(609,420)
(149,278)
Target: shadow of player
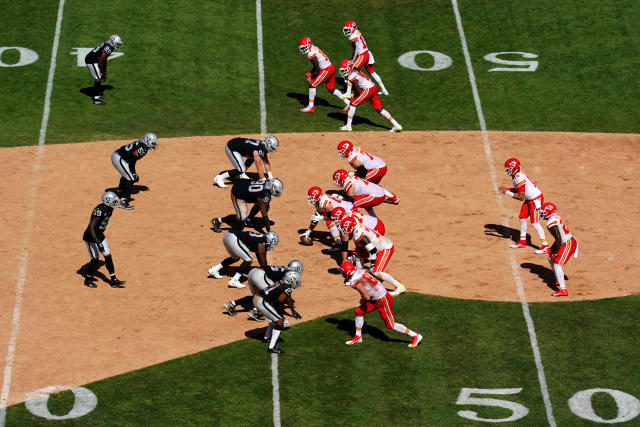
(503,232)
(545,274)
(88,91)
(349,326)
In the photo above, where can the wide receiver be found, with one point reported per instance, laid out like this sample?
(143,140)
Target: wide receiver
(323,71)
(361,54)
(526,191)
(563,247)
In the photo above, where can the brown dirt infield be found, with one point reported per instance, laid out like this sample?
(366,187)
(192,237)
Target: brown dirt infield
(447,231)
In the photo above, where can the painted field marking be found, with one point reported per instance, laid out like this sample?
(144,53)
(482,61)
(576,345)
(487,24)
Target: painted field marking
(24,256)
(263,130)
(263,102)
(514,266)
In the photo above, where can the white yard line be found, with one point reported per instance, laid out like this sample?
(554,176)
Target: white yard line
(514,266)
(263,103)
(263,130)
(24,256)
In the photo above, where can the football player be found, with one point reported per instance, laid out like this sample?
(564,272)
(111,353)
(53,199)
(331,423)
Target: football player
(96,61)
(124,160)
(248,191)
(365,90)
(361,55)
(373,296)
(324,204)
(367,166)
(97,243)
(363,194)
(527,192)
(563,247)
(240,245)
(323,71)
(254,150)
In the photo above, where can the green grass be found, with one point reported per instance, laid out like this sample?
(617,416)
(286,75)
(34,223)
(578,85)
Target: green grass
(190,68)
(467,343)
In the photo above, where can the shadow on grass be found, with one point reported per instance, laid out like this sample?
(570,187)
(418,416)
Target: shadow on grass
(349,327)
(357,120)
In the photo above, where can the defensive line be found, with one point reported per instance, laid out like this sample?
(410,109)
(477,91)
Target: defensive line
(514,266)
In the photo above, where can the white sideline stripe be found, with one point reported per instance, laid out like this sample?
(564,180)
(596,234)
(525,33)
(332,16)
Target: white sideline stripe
(276,389)
(52,69)
(514,266)
(24,256)
(263,130)
(263,103)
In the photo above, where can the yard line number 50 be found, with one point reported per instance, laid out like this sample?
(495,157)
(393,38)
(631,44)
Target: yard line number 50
(442,61)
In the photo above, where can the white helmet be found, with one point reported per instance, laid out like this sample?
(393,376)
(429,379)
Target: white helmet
(295,265)
(292,279)
(275,186)
(271,142)
(110,199)
(115,41)
(150,140)
(271,240)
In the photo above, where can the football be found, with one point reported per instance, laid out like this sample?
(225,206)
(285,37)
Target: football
(306,241)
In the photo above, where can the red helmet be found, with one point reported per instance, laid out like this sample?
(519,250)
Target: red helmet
(338,213)
(305,45)
(512,166)
(345,148)
(348,268)
(313,195)
(347,225)
(547,209)
(346,67)
(349,27)
(339,176)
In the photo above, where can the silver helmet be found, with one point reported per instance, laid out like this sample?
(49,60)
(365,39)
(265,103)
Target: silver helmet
(275,186)
(295,265)
(292,279)
(110,199)
(271,142)
(271,240)
(115,41)
(150,140)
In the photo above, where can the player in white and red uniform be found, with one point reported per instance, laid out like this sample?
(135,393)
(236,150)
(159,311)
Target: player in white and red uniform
(338,214)
(378,249)
(563,247)
(365,90)
(368,167)
(361,54)
(365,194)
(323,71)
(373,296)
(525,190)
(324,204)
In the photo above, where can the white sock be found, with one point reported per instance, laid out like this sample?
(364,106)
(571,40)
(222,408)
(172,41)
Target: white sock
(350,114)
(312,96)
(267,334)
(523,229)
(359,325)
(237,276)
(274,338)
(557,268)
(540,231)
(224,175)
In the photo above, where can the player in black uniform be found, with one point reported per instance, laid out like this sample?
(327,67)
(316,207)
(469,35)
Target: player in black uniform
(97,243)
(240,245)
(247,191)
(270,303)
(260,280)
(255,150)
(124,160)
(96,61)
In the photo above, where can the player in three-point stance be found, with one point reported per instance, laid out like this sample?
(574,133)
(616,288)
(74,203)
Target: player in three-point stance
(323,71)
(324,204)
(363,194)
(241,245)
(563,247)
(248,191)
(526,191)
(254,150)
(373,296)
(96,242)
